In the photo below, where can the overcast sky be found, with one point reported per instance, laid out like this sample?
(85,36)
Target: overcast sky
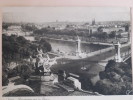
(73,14)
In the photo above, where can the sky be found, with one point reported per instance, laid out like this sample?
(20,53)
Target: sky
(70,14)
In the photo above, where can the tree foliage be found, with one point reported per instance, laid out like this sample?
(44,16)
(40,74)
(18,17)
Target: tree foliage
(27,27)
(112,34)
(116,79)
(15,50)
(18,48)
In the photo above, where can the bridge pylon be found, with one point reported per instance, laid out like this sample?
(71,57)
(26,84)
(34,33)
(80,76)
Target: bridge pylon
(118,57)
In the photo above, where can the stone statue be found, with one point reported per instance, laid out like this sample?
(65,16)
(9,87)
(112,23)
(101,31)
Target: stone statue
(42,62)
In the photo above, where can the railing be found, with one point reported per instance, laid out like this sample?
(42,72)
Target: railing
(126,57)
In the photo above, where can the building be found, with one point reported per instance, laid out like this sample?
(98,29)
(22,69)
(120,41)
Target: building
(14,30)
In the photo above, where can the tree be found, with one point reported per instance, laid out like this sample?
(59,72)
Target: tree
(107,87)
(119,35)
(5,26)
(46,47)
(100,29)
(5,80)
(28,27)
(102,75)
(116,79)
(112,34)
(25,71)
(103,35)
(110,65)
(120,31)
(15,48)
(127,28)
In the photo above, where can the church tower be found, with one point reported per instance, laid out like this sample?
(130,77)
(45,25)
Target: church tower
(93,22)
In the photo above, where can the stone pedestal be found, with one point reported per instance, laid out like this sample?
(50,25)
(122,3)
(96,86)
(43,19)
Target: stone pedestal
(47,78)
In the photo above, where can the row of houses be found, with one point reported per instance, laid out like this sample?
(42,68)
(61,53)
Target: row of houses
(15,30)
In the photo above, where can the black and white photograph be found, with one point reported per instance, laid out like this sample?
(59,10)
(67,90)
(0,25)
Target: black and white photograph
(66,51)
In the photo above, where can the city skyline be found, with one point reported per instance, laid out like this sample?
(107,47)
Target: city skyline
(65,14)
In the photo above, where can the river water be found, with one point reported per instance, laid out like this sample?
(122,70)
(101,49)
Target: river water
(71,46)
